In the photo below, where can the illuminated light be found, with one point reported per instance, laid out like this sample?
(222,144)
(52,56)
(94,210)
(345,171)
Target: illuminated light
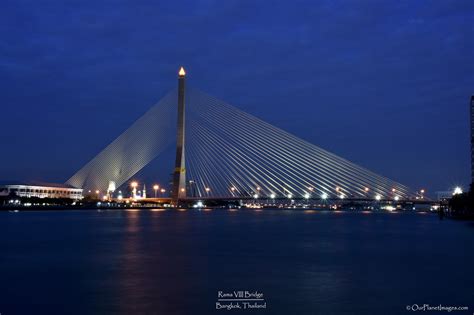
(181,72)
(111,187)
(393,189)
(397,198)
(258,188)
(272,196)
(182,189)
(255,196)
(337,188)
(232,188)
(310,188)
(120,197)
(378,197)
(324,196)
(163,190)
(389,208)
(134,184)
(457,191)
(97,192)
(422,191)
(199,204)
(342,196)
(156,187)
(306,196)
(289,196)
(208,189)
(104,198)
(366,189)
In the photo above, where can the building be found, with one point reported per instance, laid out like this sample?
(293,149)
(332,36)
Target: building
(472,139)
(41,190)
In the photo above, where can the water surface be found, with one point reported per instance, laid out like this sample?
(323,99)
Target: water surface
(175,262)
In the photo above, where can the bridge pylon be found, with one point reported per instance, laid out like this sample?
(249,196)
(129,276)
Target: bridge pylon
(178,190)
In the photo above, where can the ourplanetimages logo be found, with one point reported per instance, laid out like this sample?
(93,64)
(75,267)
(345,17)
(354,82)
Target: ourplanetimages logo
(240,300)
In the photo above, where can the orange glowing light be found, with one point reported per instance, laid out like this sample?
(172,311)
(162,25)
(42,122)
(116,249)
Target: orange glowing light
(182,73)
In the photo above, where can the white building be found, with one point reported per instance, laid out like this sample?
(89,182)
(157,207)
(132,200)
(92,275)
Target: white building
(41,191)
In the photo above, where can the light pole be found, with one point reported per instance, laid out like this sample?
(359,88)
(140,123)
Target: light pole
(155,188)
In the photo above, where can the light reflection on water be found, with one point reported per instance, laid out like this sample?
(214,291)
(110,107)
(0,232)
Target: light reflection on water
(157,261)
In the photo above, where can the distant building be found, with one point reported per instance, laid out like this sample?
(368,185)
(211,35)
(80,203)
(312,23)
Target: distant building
(472,139)
(41,190)
(444,195)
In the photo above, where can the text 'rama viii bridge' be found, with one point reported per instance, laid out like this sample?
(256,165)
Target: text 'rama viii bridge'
(223,152)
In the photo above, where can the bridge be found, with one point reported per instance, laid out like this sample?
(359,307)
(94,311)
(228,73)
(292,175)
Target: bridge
(225,153)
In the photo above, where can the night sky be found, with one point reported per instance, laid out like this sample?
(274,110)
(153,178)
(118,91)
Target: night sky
(385,84)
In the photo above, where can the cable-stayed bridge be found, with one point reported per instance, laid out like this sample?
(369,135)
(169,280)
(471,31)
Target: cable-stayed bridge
(223,152)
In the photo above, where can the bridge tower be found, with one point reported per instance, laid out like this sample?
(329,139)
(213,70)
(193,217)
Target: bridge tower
(179,173)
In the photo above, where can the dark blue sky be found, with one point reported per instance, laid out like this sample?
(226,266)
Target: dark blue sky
(385,84)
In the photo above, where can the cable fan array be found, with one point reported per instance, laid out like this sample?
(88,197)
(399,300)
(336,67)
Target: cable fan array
(137,146)
(230,153)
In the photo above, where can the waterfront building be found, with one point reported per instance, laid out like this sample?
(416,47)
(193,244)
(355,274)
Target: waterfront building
(41,190)
(472,139)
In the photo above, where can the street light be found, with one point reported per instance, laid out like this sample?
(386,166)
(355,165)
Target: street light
(324,196)
(421,193)
(378,197)
(289,196)
(306,196)
(457,191)
(155,188)
(272,196)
